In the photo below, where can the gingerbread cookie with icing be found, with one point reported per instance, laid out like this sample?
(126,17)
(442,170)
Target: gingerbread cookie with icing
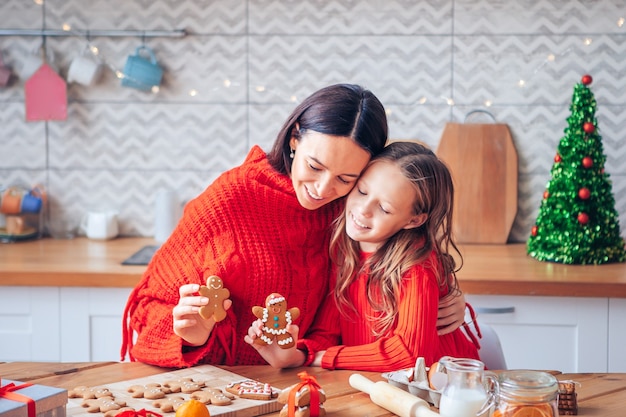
(216,293)
(252,390)
(276,317)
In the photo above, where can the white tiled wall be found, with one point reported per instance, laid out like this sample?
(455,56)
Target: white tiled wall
(250,61)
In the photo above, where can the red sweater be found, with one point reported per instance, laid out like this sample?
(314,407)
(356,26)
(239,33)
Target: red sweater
(249,229)
(350,344)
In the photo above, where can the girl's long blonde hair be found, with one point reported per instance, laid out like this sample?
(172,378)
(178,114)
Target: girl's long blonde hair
(434,196)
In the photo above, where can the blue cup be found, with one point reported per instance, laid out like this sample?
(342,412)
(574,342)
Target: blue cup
(30,204)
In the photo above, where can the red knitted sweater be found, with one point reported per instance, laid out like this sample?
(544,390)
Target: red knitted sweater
(248,228)
(350,344)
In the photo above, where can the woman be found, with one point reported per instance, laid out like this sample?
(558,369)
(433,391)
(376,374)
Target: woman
(262,227)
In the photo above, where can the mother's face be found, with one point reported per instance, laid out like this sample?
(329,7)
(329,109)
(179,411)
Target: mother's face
(325,167)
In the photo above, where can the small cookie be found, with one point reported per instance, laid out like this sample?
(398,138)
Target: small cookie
(213,396)
(169,404)
(149,391)
(102,404)
(301,411)
(251,389)
(86,393)
(303,395)
(216,293)
(276,317)
(184,385)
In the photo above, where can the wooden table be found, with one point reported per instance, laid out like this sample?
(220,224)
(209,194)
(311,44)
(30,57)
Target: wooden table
(488,269)
(598,394)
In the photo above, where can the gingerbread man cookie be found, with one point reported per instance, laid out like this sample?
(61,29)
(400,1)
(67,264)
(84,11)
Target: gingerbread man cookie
(184,385)
(102,404)
(276,317)
(86,393)
(169,404)
(216,293)
(213,396)
(149,391)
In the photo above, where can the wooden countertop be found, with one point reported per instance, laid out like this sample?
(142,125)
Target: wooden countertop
(487,269)
(598,394)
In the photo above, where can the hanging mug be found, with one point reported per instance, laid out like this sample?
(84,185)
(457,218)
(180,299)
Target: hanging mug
(85,68)
(33,61)
(141,72)
(5,73)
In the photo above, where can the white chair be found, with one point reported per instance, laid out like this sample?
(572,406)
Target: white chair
(490,352)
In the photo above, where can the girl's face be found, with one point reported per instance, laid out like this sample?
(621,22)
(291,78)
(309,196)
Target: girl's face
(325,167)
(380,205)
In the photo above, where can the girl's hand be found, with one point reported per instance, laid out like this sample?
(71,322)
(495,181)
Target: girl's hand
(273,354)
(451,313)
(188,324)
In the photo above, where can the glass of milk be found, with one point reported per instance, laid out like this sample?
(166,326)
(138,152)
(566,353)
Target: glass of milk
(466,393)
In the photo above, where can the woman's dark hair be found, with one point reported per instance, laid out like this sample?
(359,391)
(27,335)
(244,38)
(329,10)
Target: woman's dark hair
(340,110)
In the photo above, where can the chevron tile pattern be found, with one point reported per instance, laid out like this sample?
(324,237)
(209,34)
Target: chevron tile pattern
(537,17)
(347,17)
(245,64)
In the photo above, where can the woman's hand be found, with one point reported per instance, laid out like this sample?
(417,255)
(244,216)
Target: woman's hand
(451,313)
(274,354)
(188,324)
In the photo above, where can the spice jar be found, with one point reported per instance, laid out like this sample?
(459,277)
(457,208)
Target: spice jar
(524,393)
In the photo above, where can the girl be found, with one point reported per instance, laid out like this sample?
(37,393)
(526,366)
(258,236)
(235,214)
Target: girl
(391,250)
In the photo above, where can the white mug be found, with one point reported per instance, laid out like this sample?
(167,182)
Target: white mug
(84,69)
(101,225)
(30,63)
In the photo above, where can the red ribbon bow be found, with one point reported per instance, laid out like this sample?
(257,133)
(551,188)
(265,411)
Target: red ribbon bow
(134,413)
(8,392)
(314,387)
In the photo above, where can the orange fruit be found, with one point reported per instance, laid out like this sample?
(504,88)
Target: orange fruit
(193,408)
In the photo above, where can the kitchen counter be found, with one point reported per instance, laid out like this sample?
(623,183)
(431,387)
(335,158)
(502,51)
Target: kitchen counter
(599,394)
(487,269)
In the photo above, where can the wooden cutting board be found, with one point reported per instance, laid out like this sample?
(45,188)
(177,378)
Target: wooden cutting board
(483,162)
(213,377)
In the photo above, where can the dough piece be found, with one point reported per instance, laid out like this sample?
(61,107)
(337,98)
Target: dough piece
(169,404)
(102,404)
(86,393)
(184,385)
(276,317)
(213,396)
(216,293)
(301,411)
(251,389)
(303,396)
(149,391)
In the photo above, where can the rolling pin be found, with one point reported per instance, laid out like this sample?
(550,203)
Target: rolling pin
(391,398)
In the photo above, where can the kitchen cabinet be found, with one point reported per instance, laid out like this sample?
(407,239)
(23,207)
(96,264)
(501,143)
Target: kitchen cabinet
(91,323)
(29,324)
(68,324)
(568,334)
(617,335)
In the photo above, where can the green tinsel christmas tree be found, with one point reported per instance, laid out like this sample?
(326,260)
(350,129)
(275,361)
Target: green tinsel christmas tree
(577,221)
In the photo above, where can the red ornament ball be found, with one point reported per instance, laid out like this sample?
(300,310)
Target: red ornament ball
(587,79)
(587,162)
(534,230)
(557,158)
(588,127)
(583,218)
(546,194)
(584,193)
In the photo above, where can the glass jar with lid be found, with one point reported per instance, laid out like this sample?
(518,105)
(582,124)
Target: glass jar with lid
(524,393)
